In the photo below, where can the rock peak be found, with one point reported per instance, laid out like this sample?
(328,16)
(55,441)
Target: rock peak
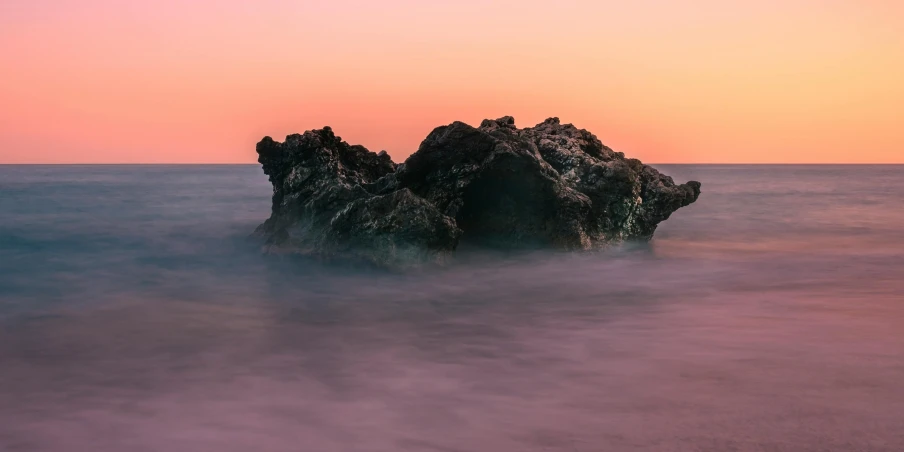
(505,121)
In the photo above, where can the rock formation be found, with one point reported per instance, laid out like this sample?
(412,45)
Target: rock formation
(551,185)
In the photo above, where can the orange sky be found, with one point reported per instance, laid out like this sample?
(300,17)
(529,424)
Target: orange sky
(666,81)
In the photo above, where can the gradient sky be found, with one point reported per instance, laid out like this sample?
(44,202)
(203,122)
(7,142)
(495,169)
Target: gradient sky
(707,81)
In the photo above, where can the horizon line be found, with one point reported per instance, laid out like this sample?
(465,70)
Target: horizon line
(257,164)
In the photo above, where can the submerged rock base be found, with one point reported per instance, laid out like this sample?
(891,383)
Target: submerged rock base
(551,185)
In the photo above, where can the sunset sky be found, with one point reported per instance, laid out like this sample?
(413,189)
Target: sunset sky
(696,81)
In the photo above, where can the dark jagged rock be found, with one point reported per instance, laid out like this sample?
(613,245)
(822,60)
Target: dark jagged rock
(551,185)
(323,205)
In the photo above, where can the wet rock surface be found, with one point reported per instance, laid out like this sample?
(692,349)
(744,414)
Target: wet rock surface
(548,186)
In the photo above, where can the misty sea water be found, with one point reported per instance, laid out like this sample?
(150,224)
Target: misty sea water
(137,315)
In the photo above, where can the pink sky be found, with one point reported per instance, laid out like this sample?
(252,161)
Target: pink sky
(693,81)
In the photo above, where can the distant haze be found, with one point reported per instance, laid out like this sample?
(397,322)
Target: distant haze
(104,81)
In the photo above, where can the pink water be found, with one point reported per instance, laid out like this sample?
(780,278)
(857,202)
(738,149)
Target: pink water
(769,316)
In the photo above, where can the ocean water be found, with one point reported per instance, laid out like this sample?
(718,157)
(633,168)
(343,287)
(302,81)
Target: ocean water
(136,315)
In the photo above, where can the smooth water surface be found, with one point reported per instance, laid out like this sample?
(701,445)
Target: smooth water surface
(136,315)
